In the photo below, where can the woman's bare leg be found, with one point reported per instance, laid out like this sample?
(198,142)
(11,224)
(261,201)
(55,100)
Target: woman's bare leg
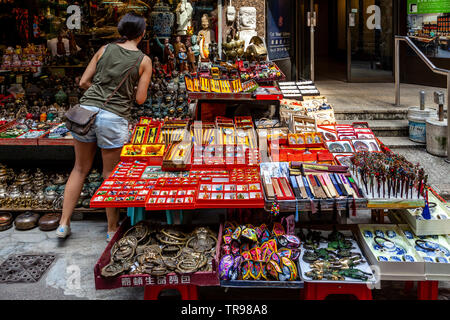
(84,156)
(111,158)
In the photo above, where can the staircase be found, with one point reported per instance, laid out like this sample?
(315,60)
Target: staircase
(389,125)
(392,129)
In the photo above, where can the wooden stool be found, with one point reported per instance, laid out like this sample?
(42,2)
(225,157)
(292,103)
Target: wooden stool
(187,291)
(319,291)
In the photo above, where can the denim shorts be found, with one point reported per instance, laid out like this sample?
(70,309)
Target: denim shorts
(109,130)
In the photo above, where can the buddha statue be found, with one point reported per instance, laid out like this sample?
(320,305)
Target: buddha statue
(206,35)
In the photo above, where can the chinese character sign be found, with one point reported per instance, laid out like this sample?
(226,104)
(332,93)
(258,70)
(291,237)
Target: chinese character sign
(279,25)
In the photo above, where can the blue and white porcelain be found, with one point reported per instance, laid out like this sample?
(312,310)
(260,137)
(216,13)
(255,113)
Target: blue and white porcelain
(427,259)
(162,20)
(382,258)
(408,258)
(409,234)
(379,233)
(368,234)
(391,234)
(400,251)
(441,260)
(395,258)
(376,247)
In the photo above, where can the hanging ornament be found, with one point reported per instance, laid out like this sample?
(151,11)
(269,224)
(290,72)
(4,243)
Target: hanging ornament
(275,210)
(426,210)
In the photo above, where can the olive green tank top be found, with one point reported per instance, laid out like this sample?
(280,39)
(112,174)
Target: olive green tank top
(110,71)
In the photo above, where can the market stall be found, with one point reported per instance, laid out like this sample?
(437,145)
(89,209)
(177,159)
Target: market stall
(225,173)
(269,174)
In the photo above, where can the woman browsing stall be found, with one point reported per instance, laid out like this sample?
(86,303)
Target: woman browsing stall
(111,79)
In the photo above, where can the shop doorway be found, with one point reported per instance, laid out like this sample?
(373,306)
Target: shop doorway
(330,40)
(352,40)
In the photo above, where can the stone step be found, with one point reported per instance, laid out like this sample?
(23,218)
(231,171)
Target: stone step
(400,143)
(372,113)
(375,113)
(385,128)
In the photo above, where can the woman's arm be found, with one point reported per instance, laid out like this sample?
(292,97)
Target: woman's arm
(145,70)
(86,78)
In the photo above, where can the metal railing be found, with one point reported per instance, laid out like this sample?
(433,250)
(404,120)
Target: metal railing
(433,68)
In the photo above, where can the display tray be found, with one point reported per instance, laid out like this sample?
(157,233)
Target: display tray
(297,284)
(155,159)
(305,267)
(392,270)
(433,226)
(18,141)
(115,193)
(388,203)
(434,270)
(261,284)
(322,204)
(141,280)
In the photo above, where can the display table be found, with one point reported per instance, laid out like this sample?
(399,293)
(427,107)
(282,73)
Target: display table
(42,140)
(186,284)
(140,186)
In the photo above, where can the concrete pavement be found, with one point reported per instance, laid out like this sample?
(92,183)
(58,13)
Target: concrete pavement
(85,246)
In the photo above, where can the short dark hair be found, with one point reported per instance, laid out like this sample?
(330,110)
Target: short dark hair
(131,26)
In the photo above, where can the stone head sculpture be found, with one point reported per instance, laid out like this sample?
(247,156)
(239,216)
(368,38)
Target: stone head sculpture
(247,18)
(231,13)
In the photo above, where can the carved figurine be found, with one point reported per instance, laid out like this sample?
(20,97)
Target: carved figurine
(231,14)
(72,44)
(213,52)
(184,17)
(206,35)
(180,54)
(165,47)
(157,68)
(247,24)
(190,55)
(60,48)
